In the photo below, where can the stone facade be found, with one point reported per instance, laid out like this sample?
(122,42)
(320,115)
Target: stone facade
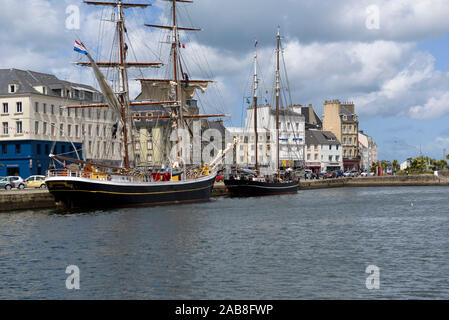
(340,119)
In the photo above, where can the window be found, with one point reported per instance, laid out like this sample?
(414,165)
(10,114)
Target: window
(337,158)
(36,127)
(150,145)
(241,147)
(19,107)
(150,158)
(241,159)
(5,108)
(52,109)
(90,146)
(61,129)
(36,107)
(330,158)
(98,131)
(44,130)
(44,107)
(137,145)
(69,130)
(61,110)
(76,113)
(47,149)
(90,130)
(5,148)
(316,156)
(38,148)
(77,131)
(68,112)
(12,88)
(19,127)
(52,129)
(5,128)
(308,156)
(18,149)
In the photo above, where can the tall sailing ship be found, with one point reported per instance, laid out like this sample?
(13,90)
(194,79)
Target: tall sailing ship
(88,184)
(250,182)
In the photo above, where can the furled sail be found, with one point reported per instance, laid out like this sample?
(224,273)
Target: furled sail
(106,89)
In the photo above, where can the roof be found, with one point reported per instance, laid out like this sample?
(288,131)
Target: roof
(321,137)
(311,118)
(27,80)
(346,112)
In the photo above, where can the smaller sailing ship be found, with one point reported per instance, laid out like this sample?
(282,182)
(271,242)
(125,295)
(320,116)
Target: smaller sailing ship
(249,182)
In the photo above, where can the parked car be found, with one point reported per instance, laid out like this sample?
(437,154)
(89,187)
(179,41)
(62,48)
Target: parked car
(308,174)
(321,175)
(329,175)
(17,181)
(354,173)
(347,174)
(5,183)
(339,173)
(36,182)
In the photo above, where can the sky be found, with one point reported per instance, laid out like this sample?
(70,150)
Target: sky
(388,57)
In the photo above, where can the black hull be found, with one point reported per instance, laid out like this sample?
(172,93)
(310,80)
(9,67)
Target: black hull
(87,193)
(248,188)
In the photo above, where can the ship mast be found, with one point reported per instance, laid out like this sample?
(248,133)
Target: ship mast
(277,97)
(124,98)
(121,65)
(256,82)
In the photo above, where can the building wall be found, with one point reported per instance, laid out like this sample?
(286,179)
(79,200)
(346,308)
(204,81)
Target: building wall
(30,157)
(331,118)
(331,157)
(345,127)
(291,135)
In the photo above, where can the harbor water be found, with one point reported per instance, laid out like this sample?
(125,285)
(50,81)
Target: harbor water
(317,244)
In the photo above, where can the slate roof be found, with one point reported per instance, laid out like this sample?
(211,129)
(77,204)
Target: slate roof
(315,137)
(26,80)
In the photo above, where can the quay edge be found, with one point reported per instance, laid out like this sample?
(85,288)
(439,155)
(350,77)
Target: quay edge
(42,199)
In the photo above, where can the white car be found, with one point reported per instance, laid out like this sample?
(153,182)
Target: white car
(17,181)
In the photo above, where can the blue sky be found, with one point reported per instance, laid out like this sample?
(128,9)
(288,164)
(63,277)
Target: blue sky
(392,62)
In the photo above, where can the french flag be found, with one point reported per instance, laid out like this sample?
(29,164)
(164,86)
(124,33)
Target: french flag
(79,48)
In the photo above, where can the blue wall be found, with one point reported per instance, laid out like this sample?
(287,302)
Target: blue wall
(16,159)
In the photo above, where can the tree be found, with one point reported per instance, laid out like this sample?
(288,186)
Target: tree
(447,156)
(396,166)
(374,166)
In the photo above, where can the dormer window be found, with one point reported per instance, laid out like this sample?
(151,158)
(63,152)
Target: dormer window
(13,88)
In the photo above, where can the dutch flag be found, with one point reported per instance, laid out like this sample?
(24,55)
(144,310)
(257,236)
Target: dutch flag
(79,48)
